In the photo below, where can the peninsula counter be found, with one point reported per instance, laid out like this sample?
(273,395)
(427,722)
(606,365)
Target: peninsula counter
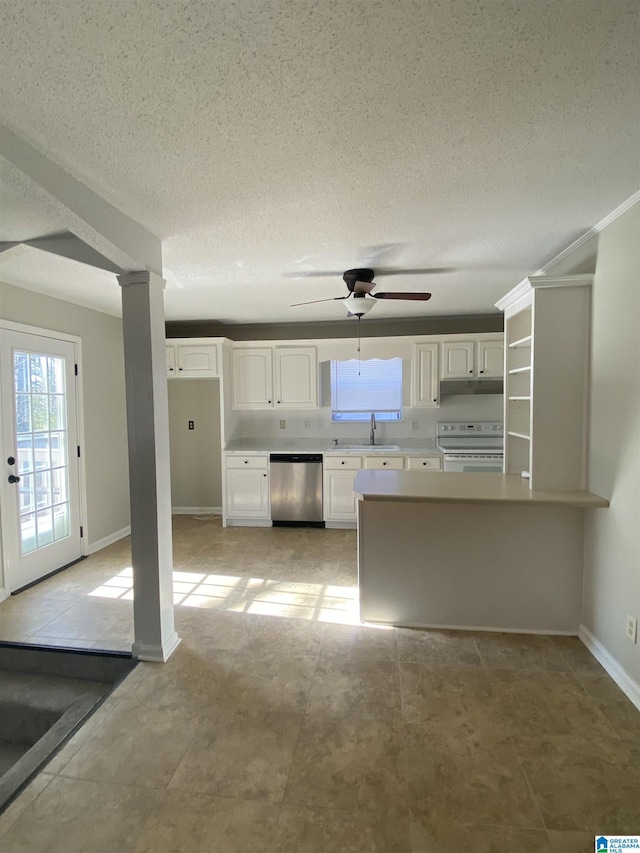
(470,551)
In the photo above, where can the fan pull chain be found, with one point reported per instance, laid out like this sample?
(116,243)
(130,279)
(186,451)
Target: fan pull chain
(359,359)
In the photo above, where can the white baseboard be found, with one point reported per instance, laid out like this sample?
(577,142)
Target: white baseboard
(629,687)
(108,540)
(196,510)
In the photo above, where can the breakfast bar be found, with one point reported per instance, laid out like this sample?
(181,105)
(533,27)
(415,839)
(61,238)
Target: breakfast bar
(470,551)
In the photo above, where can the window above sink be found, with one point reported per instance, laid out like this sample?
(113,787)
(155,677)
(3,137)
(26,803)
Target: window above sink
(362,388)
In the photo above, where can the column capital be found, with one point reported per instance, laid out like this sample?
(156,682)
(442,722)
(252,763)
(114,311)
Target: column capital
(141,277)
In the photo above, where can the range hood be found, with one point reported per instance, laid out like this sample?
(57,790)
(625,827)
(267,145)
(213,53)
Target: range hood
(455,387)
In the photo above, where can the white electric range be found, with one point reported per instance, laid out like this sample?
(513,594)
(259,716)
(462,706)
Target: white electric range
(471,447)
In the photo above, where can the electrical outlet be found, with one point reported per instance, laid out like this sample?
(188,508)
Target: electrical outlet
(283,424)
(307,423)
(632,628)
(192,425)
(414,425)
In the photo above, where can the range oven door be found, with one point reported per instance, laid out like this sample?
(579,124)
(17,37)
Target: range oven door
(474,463)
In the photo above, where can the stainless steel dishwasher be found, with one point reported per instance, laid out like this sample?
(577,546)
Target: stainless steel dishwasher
(296,488)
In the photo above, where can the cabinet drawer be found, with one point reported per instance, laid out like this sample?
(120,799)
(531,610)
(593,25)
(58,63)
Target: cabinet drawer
(334,463)
(424,463)
(395,463)
(247,462)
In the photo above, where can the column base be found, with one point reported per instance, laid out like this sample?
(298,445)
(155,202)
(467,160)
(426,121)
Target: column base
(156,654)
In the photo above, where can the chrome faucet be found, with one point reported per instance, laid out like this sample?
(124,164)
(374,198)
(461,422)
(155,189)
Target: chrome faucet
(372,437)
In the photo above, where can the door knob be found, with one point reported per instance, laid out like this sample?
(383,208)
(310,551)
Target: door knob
(13,478)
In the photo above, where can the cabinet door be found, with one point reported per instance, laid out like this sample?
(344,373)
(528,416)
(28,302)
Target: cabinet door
(340,502)
(425,376)
(296,385)
(457,359)
(490,358)
(252,378)
(247,493)
(196,360)
(171,360)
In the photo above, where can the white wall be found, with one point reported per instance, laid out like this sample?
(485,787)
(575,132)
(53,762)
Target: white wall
(612,536)
(266,423)
(196,476)
(105,450)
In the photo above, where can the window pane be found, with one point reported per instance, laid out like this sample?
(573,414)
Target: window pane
(373,385)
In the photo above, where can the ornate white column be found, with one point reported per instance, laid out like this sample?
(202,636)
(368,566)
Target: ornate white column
(149,471)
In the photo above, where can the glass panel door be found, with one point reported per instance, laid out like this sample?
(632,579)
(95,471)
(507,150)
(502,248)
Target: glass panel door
(41,525)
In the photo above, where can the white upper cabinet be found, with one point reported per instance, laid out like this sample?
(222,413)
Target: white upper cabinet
(191,359)
(275,377)
(425,380)
(490,361)
(296,375)
(253,378)
(457,359)
(472,359)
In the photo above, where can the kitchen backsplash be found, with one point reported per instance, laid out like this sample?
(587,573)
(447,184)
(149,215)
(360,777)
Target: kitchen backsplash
(417,426)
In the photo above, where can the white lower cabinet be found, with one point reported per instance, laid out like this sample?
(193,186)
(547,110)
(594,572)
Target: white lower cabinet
(424,463)
(247,490)
(340,504)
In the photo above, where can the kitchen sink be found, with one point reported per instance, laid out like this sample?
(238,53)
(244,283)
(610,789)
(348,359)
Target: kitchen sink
(368,447)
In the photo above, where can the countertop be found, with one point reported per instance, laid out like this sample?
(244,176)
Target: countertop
(401,447)
(449,487)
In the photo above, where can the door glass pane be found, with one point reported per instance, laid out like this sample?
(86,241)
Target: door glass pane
(59,485)
(44,522)
(56,412)
(42,451)
(40,412)
(41,455)
(23,413)
(56,375)
(28,533)
(38,373)
(43,489)
(27,495)
(25,453)
(61,521)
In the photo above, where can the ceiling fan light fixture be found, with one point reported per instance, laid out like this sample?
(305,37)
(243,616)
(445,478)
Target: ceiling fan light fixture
(359,307)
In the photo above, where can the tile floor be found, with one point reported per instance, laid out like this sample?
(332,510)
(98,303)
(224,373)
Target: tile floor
(280,724)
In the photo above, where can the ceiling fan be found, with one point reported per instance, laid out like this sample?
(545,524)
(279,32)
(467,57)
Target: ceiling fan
(360,283)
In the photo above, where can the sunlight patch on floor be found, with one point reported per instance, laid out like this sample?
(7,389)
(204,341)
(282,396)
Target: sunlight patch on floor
(287,599)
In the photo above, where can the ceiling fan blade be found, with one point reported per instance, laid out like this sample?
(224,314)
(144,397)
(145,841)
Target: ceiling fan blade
(318,274)
(314,301)
(415,297)
(422,271)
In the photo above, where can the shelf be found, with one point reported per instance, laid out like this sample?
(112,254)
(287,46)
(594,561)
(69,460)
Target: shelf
(519,435)
(520,370)
(528,399)
(523,342)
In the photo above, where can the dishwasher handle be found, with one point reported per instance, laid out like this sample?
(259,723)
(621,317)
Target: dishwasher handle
(295,457)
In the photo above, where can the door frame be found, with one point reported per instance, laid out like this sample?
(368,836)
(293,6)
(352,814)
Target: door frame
(10,326)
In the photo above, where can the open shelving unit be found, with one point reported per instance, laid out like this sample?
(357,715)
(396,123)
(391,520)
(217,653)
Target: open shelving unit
(546,363)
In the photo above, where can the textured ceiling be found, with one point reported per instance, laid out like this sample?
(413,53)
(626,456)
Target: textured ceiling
(258,139)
